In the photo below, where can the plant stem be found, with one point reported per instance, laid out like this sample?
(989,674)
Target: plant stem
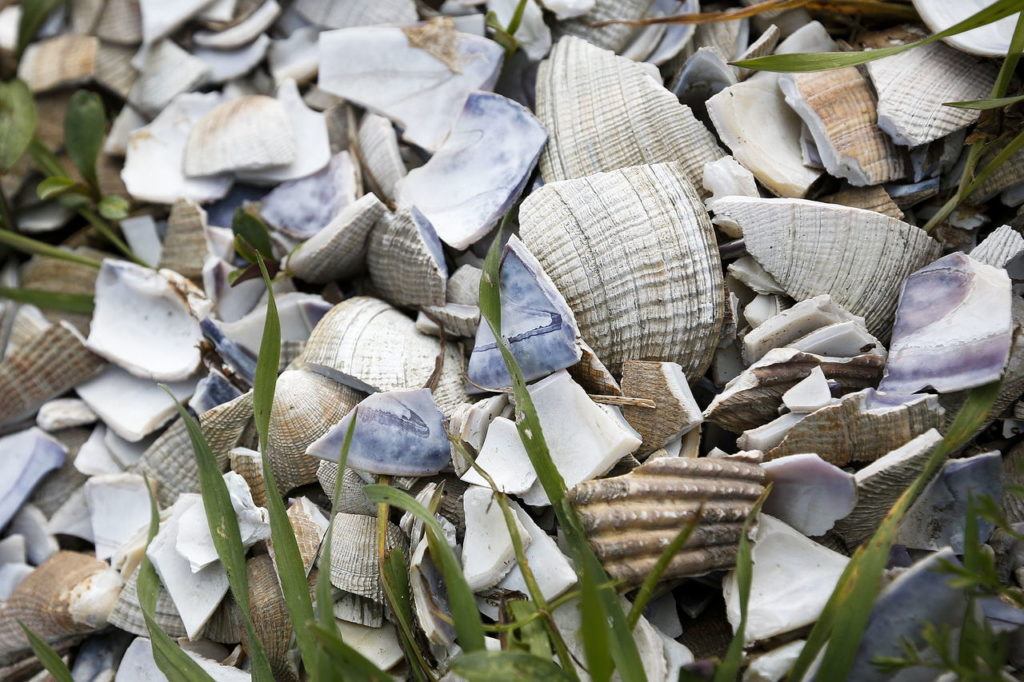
(108,233)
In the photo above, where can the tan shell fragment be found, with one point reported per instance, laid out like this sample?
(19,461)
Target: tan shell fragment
(248,133)
(120,22)
(633,253)
(402,261)
(379,155)
(604,112)
(68,59)
(754,397)
(354,566)
(614,36)
(185,248)
(338,251)
(249,465)
(127,614)
(630,519)
(270,617)
(869,198)
(859,257)
(676,412)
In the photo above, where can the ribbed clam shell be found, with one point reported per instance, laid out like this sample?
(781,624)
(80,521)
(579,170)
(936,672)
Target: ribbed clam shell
(305,406)
(612,37)
(633,253)
(379,155)
(1007,175)
(1000,247)
(57,62)
(457,320)
(270,616)
(365,343)
(352,500)
(249,465)
(604,112)
(859,257)
(754,397)
(114,70)
(120,22)
(630,519)
(50,364)
(127,614)
(338,250)
(354,566)
(406,260)
(591,373)
(247,133)
(184,249)
(869,198)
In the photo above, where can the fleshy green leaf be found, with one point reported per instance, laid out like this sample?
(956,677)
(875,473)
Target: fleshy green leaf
(84,126)
(51,300)
(985,104)
(17,122)
(506,666)
(463,604)
(254,235)
(57,185)
(38,248)
(113,207)
(342,657)
(50,659)
(33,14)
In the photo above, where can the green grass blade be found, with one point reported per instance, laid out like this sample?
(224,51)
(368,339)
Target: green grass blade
(985,104)
(227,539)
(38,248)
(50,659)
(170,658)
(33,14)
(506,666)
(594,630)
(533,638)
(395,580)
(846,614)
(17,119)
(791,63)
(84,126)
(342,657)
(646,591)
(51,300)
(463,604)
(290,568)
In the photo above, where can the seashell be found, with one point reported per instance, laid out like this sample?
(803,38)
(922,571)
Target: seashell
(296,56)
(29,455)
(225,65)
(953,327)
(809,394)
(11,575)
(67,597)
(749,272)
(455,320)
(31,524)
(726,177)
(379,155)
(762,47)
(155,155)
(130,406)
(880,483)
(166,72)
(763,308)
(398,433)
(704,74)
(794,323)
(1006,178)
(119,507)
(242,33)
(505,460)
(778,603)
(309,526)
(614,36)
(306,405)
(568,9)
(304,207)
(120,22)
(58,62)
(990,40)
(630,519)
(361,13)
(184,247)
(578,108)
(488,554)
(842,340)
(754,397)
(354,566)
(536,322)
(658,218)
(469,423)
(299,313)
(406,259)
(591,373)
(808,493)
(114,70)
(138,663)
(338,250)
(913,85)
(869,198)
(270,617)
(142,235)
(383,70)
(877,252)
(247,133)
(49,364)
(379,645)
(193,540)
(28,321)
(160,19)
(1000,248)
(54,490)
(483,164)
(249,465)
(212,390)
(838,108)
(676,412)
(127,614)
(861,427)
(72,516)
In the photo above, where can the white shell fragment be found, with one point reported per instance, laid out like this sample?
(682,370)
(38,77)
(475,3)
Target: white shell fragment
(166,71)
(243,32)
(550,567)
(339,249)
(248,133)
(808,493)
(504,458)
(64,413)
(395,72)
(119,507)
(990,40)
(160,18)
(794,323)
(953,327)
(193,540)
(131,406)
(312,147)
(483,165)
(28,456)
(487,554)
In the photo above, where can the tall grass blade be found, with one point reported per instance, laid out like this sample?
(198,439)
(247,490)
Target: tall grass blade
(395,580)
(646,591)
(986,104)
(799,62)
(532,636)
(51,300)
(227,539)
(50,659)
(38,248)
(468,627)
(506,666)
(845,616)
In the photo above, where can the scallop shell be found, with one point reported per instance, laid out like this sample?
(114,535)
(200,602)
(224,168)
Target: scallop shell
(913,85)
(838,108)
(858,257)
(379,155)
(585,94)
(249,465)
(630,519)
(354,566)
(753,398)
(614,36)
(305,407)
(53,362)
(398,357)
(248,133)
(167,71)
(127,614)
(184,247)
(675,412)
(65,60)
(406,260)
(659,295)
(869,198)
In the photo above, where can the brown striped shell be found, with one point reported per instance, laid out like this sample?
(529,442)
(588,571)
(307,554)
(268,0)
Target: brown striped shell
(184,248)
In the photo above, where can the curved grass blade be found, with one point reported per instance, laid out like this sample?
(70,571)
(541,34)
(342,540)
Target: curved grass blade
(84,125)
(290,569)
(820,61)
(506,666)
(51,300)
(17,120)
(169,657)
(50,659)
(986,104)
(342,657)
(38,248)
(464,610)
(227,539)
(646,591)
(845,616)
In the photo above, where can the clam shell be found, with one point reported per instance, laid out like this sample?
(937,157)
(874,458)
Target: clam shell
(379,155)
(127,614)
(618,224)
(248,133)
(794,323)
(167,71)
(406,259)
(184,247)
(309,526)
(65,60)
(999,248)
(352,500)
(241,33)
(329,14)
(614,36)
(676,411)
(270,617)
(28,456)
(803,243)
(354,566)
(464,285)
(398,358)
(120,22)
(869,198)
(585,94)
(338,250)
(630,519)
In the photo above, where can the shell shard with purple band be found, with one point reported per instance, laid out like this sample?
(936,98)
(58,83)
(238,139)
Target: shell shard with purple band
(535,321)
(953,327)
(808,493)
(629,519)
(398,433)
(482,165)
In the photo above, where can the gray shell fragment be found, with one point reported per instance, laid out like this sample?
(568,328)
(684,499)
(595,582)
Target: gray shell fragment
(27,457)
(398,433)
(301,208)
(535,319)
(808,493)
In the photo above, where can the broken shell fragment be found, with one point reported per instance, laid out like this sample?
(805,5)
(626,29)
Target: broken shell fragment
(338,250)
(487,554)
(989,40)
(503,457)
(675,412)
(57,62)
(810,394)
(243,32)
(28,456)
(166,72)
(312,146)
(808,493)
(794,323)
(379,155)
(118,507)
(132,407)
(248,133)
(406,260)
(302,208)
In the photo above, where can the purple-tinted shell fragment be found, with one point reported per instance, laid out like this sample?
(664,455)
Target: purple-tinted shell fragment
(808,493)
(535,319)
(398,433)
(953,327)
(300,208)
(27,456)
